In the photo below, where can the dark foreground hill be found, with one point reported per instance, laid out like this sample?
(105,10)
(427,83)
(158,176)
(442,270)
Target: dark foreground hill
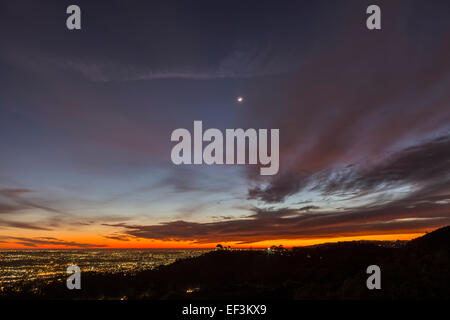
(418,269)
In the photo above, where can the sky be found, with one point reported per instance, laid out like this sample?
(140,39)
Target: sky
(86,118)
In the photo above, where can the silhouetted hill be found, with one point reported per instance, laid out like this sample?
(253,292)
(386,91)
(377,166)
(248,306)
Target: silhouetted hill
(418,269)
(436,240)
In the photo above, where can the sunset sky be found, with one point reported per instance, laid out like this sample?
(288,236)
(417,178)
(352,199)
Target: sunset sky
(86,118)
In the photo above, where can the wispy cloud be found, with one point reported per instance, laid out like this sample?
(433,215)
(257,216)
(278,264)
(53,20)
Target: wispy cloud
(421,165)
(36,241)
(23,225)
(19,201)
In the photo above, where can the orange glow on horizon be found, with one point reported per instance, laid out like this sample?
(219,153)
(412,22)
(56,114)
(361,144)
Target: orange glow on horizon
(97,242)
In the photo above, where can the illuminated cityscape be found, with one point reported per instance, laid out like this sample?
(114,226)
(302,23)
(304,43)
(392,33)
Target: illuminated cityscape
(18,267)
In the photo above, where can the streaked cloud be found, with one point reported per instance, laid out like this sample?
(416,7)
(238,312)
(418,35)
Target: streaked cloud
(36,241)
(288,223)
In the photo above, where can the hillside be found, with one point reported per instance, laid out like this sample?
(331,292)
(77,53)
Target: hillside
(418,269)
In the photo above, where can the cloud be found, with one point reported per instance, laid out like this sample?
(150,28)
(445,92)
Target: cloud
(21,225)
(286,184)
(14,192)
(402,216)
(308,208)
(420,165)
(19,202)
(207,49)
(36,241)
(8,194)
(353,104)
(118,237)
(6,208)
